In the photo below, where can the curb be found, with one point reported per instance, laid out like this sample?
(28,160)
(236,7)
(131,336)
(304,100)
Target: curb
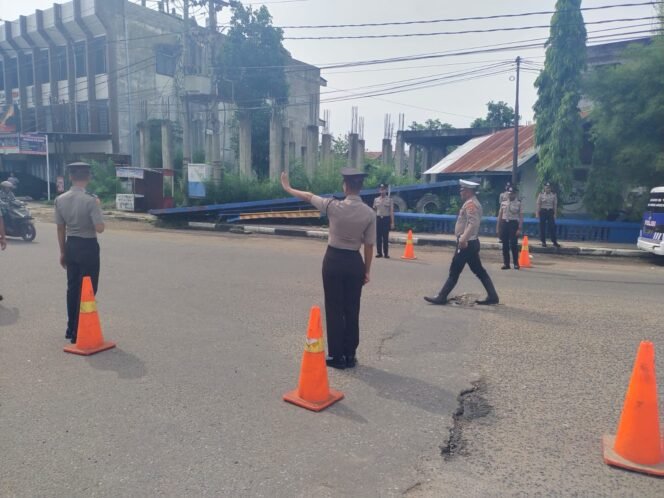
(423,241)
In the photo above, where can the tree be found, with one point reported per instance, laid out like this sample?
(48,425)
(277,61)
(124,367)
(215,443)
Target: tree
(430,124)
(559,131)
(627,128)
(499,115)
(250,72)
(340,146)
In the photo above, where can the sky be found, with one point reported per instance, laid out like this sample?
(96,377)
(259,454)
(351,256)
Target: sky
(455,96)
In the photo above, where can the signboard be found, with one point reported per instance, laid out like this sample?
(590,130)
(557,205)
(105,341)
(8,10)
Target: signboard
(129,173)
(60,184)
(32,144)
(197,175)
(8,118)
(124,202)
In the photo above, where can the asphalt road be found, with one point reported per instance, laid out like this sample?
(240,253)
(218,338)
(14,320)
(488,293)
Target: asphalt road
(210,330)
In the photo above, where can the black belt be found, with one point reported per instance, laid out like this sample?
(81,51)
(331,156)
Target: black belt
(342,251)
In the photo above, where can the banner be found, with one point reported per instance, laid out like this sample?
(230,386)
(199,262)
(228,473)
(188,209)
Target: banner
(8,118)
(32,144)
(9,143)
(197,175)
(129,173)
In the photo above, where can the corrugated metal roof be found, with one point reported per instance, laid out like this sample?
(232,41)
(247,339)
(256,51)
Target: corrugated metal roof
(490,153)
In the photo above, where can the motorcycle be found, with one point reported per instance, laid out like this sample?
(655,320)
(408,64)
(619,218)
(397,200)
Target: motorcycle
(18,221)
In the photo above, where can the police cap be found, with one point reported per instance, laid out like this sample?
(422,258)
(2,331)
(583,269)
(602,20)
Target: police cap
(382,186)
(465,184)
(352,173)
(78,166)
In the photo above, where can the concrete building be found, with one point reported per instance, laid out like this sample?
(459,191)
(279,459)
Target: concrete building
(96,75)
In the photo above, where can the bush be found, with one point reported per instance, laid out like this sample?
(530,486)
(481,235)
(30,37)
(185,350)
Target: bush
(104,183)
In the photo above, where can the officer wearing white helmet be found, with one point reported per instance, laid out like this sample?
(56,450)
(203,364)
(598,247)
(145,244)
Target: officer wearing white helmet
(468,247)
(6,192)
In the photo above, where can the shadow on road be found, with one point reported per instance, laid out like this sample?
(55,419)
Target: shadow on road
(341,410)
(415,392)
(127,365)
(8,316)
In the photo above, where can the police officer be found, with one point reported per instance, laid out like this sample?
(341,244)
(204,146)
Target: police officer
(3,240)
(384,208)
(352,223)
(546,211)
(6,194)
(509,224)
(468,247)
(79,219)
(505,195)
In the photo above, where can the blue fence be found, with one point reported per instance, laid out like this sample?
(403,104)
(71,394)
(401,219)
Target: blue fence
(567,229)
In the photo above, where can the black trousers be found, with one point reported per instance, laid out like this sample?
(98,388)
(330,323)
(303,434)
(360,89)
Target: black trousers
(510,241)
(82,258)
(383,234)
(546,218)
(343,278)
(470,256)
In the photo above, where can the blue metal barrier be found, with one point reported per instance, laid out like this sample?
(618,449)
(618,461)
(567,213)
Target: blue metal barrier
(567,229)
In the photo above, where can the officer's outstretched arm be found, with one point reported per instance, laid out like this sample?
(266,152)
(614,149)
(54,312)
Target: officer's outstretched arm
(300,194)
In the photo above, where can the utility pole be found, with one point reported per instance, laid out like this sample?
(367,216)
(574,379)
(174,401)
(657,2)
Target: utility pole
(515,156)
(216,142)
(186,138)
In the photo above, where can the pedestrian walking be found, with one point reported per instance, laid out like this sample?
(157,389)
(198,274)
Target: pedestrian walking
(79,220)
(352,223)
(509,224)
(546,211)
(384,207)
(468,248)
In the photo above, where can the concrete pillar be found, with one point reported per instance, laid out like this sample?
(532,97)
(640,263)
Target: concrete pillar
(276,146)
(426,159)
(400,155)
(326,149)
(215,146)
(361,149)
(387,151)
(144,144)
(292,150)
(353,149)
(166,156)
(311,155)
(245,145)
(412,154)
(285,148)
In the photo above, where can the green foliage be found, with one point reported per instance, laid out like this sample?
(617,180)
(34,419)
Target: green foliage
(104,183)
(627,129)
(559,130)
(198,157)
(340,146)
(499,115)
(430,124)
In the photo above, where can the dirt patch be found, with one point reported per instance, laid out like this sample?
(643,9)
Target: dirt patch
(472,405)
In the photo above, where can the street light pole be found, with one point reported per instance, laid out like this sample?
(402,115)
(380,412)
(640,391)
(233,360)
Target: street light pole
(515,155)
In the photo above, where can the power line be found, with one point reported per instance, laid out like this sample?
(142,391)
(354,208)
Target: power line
(462,32)
(458,19)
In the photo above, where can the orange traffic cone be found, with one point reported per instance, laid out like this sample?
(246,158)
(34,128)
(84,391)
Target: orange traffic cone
(89,339)
(638,445)
(313,391)
(524,256)
(409,251)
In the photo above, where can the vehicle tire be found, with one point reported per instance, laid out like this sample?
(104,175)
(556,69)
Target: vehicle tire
(429,203)
(399,204)
(29,233)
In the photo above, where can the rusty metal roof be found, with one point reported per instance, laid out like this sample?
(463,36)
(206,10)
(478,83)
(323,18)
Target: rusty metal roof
(491,153)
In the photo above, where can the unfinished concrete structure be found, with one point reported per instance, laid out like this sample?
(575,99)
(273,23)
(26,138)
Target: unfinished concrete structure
(92,73)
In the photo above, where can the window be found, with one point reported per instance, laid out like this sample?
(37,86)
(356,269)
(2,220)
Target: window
(79,57)
(82,117)
(166,60)
(98,53)
(43,65)
(103,125)
(12,74)
(27,75)
(60,60)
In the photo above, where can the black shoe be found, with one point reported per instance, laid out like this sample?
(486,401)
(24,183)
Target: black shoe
(543,244)
(505,267)
(73,340)
(67,335)
(351,361)
(435,300)
(516,267)
(336,362)
(387,256)
(555,244)
(379,255)
(487,301)
(1,298)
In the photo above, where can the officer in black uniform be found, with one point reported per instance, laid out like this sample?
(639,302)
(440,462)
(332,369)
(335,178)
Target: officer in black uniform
(384,207)
(352,224)
(79,220)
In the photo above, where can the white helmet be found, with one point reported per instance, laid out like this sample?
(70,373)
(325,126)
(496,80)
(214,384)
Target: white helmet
(7,184)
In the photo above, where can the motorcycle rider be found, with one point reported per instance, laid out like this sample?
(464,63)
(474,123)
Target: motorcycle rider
(3,240)
(6,192)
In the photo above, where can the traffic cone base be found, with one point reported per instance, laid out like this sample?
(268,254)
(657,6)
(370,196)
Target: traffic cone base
(613,458)
(293,397)
(88,351)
